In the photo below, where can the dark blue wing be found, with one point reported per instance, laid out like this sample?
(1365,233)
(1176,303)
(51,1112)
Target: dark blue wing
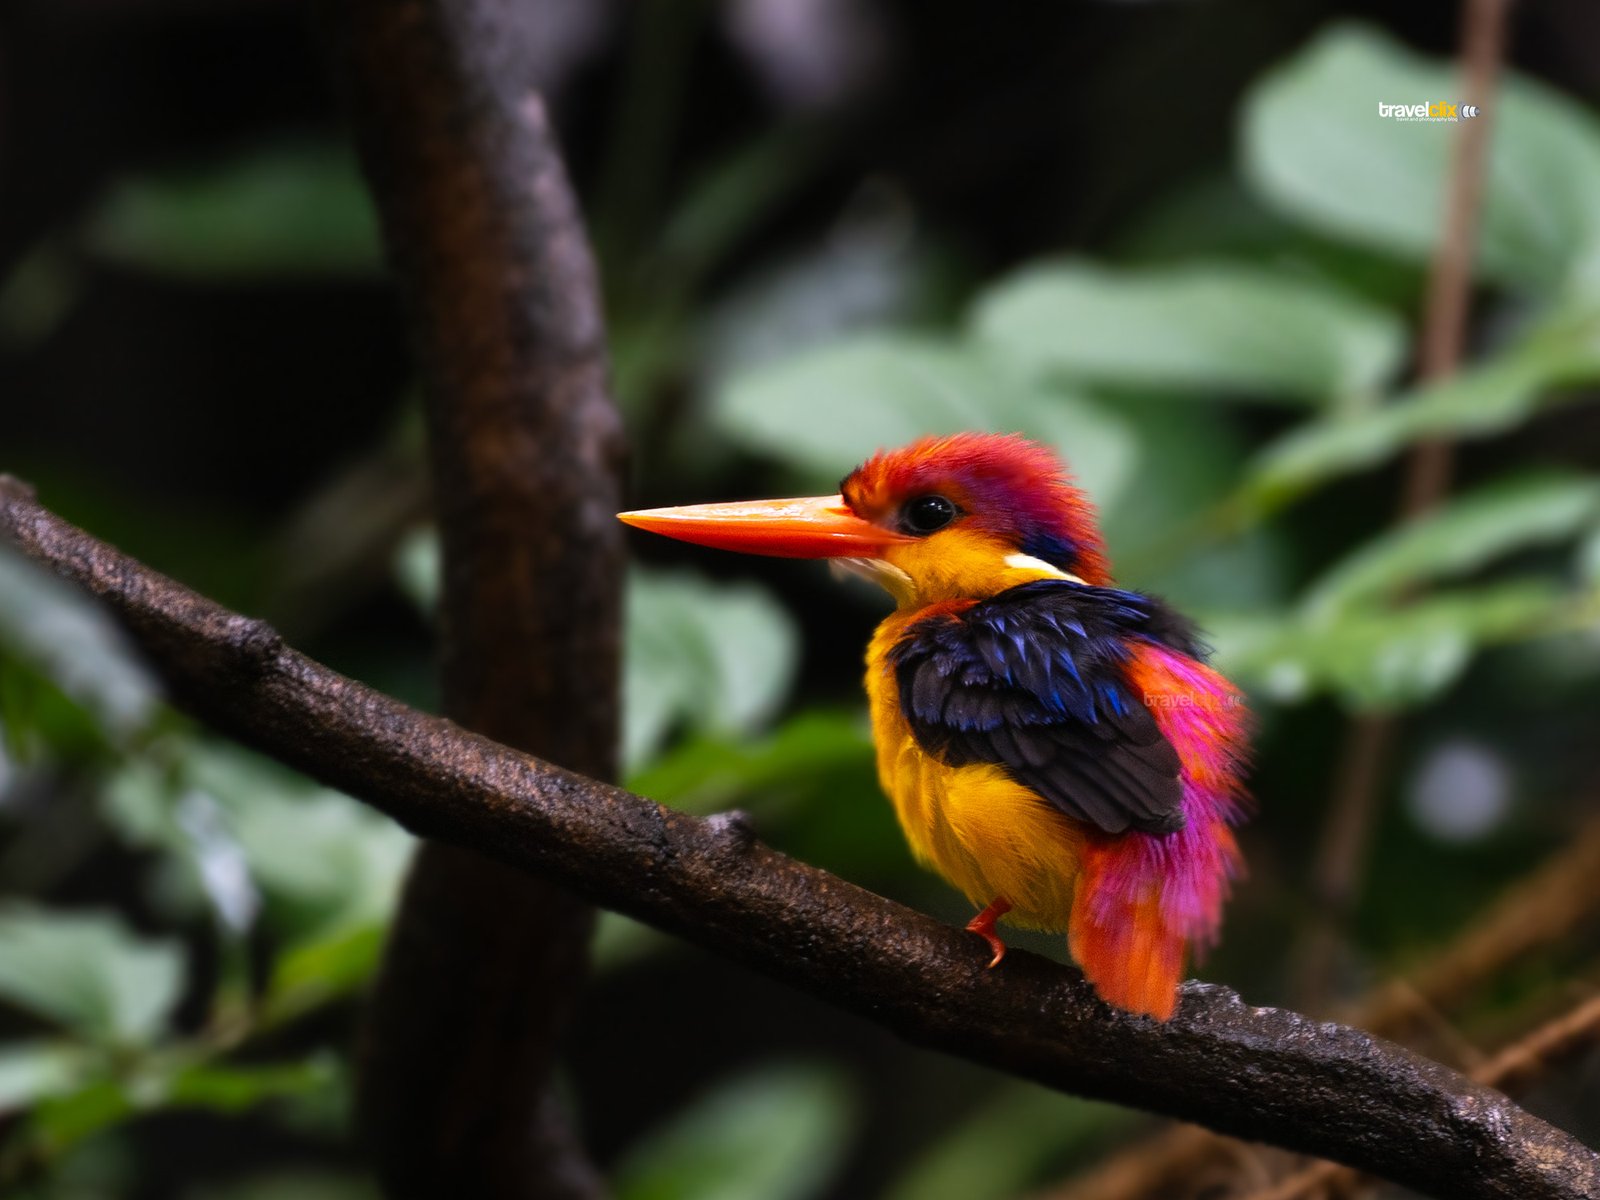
(1033,680)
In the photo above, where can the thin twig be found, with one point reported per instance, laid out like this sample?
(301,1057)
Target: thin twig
(1314,1087)
(1552,1042)
(1450,277)
(1341,853)
(1560,897)
(1353,805)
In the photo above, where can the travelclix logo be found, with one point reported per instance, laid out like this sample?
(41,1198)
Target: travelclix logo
(1432,110)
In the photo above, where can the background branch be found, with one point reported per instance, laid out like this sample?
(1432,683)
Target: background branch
(1269,1074)
(485,237)
(1364,764)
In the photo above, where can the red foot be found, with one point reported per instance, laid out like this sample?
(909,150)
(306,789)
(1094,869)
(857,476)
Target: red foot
(983,926)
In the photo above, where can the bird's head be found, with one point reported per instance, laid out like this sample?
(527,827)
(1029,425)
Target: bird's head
(944,518)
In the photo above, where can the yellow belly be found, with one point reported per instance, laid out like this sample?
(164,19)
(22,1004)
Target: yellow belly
(988,835)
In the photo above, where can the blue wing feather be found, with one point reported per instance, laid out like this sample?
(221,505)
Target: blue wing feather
(1032,679)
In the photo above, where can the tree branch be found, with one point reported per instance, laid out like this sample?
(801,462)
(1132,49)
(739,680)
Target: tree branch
(488,246)
(1569,1034)
(1266,1074)
(1561,896)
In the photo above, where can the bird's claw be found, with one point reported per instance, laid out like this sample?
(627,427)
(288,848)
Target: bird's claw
(998,947)
(983,926)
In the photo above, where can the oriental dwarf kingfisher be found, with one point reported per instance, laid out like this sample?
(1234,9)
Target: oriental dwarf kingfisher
(1054,746)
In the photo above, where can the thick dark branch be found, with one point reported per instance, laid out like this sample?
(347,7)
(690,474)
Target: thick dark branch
(1260,1073)
(488,247)
(1567,1035)
(1550,904)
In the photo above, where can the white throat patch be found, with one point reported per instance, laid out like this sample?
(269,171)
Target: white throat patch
(1027,562)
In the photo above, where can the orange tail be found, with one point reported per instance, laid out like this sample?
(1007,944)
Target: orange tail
(1127,948)
(1143,900)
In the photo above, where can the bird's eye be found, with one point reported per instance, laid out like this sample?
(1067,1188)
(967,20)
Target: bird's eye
(925,514)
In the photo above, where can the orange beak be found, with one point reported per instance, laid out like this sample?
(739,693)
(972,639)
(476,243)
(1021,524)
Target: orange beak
(813,527)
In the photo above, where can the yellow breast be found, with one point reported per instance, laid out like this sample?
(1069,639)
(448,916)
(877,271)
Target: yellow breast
(988,835)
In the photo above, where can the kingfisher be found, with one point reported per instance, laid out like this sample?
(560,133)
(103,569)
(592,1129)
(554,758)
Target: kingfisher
(1053,745)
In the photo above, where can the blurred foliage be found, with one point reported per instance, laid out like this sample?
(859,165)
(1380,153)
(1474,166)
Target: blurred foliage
(1239,360)
(777,1134)
(87,974)
(1007,1144)
(274,211)
(1199,329)
(697,657)
(1323,160)
(813,412)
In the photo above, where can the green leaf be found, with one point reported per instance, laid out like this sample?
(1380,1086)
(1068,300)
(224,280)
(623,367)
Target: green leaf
(241,827)
(87,972)
(153,806)
(235,1088)
(1468,532)
(167,1081)
(825,410)
(60,1122)
(1214,216)
(323,851)
(1315,146)
(1190,462)
(716,658)
(39,721)
(1588,558)
(321,968)
(1379,658)
(328,860)
(1195,328)
(708,773)
(809,786)
(61,632)
(1476,402)
(621,941)
(417,568)
(30,1071)
(1007,1145)
(292,209)
(778,1134)
(106,1092)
